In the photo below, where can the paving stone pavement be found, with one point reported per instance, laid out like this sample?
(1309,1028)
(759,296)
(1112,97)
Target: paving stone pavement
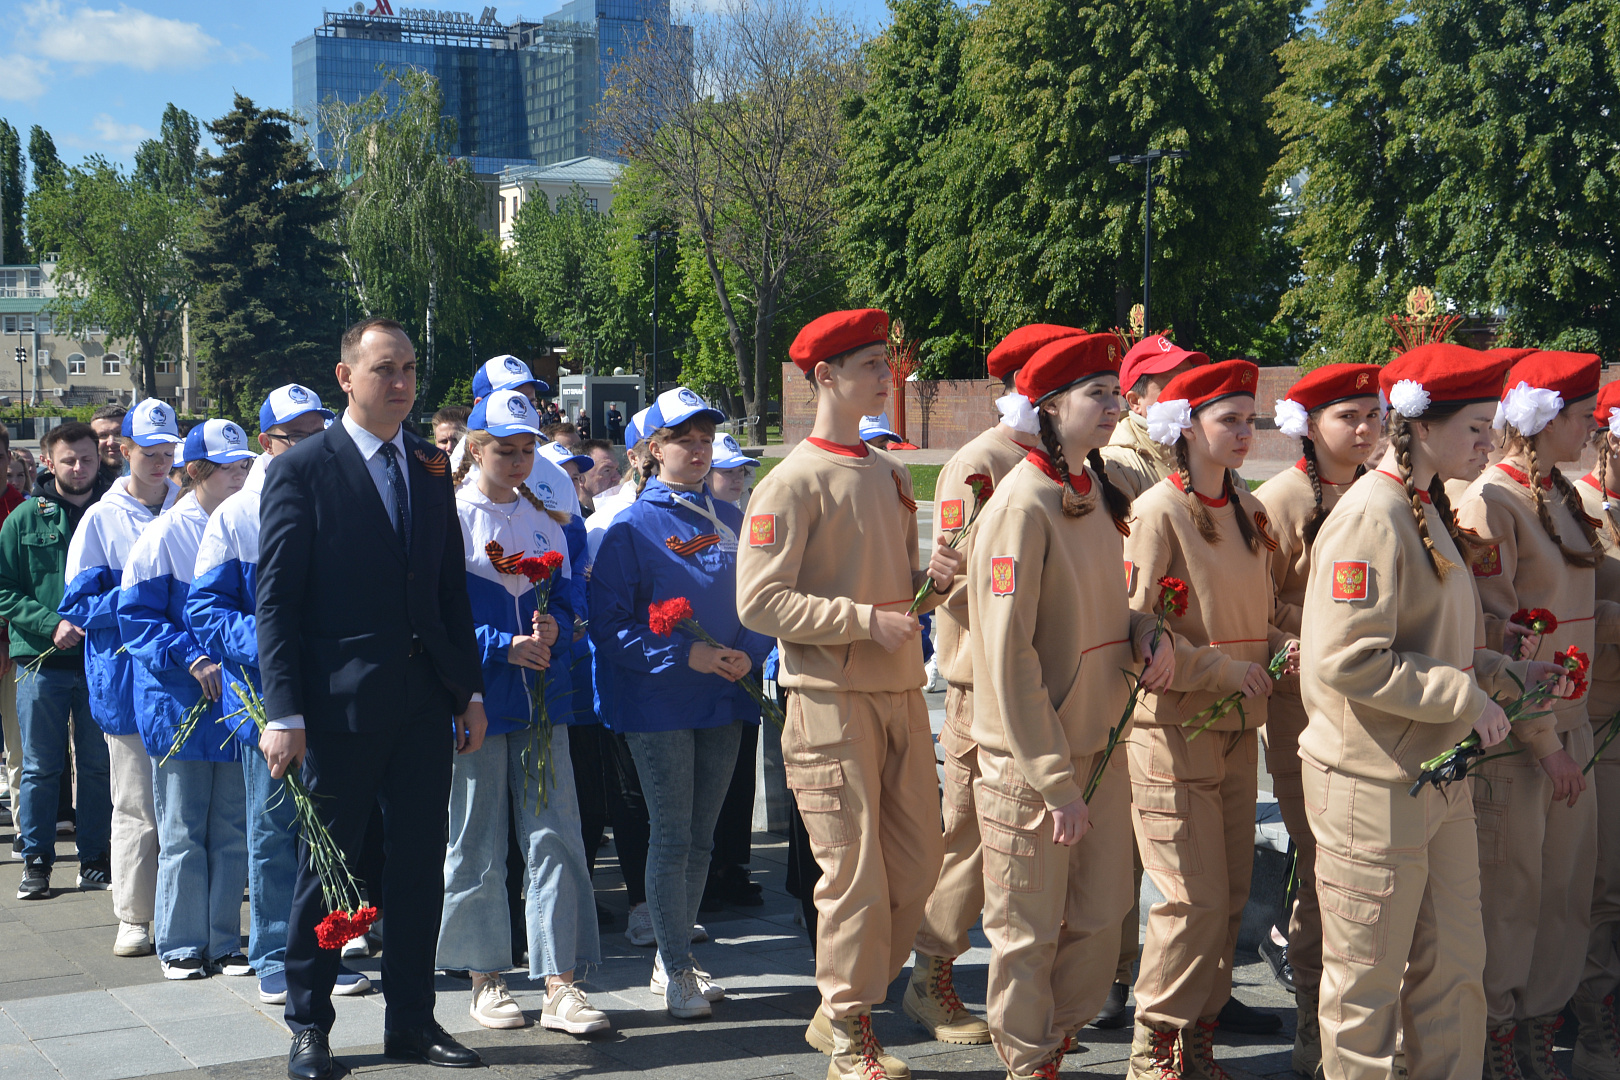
(70,1010)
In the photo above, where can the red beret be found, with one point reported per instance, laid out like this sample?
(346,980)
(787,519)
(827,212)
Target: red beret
(1066,361)
(1448,372)
(1334,382)
(1571,375)
(1608,401)
(1016,349)
(1154,355)
(1211,382)
(838,332)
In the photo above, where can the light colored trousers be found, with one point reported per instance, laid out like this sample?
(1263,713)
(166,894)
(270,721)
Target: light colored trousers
(958,897)
(134,830)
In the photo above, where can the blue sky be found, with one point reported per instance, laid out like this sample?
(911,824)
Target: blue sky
(96,74)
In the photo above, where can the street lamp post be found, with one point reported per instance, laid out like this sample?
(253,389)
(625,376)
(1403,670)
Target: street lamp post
(656,238)
(22,360)
(1147,159)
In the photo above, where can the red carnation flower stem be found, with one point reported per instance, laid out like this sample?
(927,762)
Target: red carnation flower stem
(982,490)
(1172,600)
(675,614)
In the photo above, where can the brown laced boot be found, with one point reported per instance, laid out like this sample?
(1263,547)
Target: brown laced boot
(1597,1045)
(849,1042)
(1533,1045)
(1500,1062)
(1198,1051)
(1049,1071)
(931,1001)
(1155,1052)
(1307,1034)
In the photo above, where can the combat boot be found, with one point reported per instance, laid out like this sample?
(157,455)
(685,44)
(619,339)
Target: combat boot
(1500,1062)
(931,1001)
(1533,1045)
(1198,1051)
(1597,1045)
(1308,1035)
(849,1042)
(1155,1052)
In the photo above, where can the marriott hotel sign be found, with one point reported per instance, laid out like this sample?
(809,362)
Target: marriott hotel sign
(454,18)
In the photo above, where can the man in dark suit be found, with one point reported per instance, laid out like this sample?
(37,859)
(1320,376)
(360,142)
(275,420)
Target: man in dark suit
(367,650)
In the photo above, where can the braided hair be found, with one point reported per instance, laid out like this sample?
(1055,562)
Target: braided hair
(1521,445)
(482,438)
(1313,524)
(1604,443)
(1400,439)
(1076,505)
(1200,512)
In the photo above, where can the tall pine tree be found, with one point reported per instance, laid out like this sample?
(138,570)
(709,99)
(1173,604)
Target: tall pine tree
(12,248)
(47,169)
(268,312)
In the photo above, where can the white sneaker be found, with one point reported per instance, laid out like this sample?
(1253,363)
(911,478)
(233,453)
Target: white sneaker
(640,930)
(357,948)
(190,967)
(568,1009)
(134,939)
(234,964)
(931,669)
(492,1004)
(699,934)
(684,998)
(712,991)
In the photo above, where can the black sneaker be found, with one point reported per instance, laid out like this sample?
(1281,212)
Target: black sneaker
(36,879)
(95,874)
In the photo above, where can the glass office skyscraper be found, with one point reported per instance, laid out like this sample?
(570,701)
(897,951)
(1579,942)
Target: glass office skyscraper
(520,93)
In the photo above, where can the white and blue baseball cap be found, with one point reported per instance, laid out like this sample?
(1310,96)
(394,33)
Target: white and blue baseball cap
(560,454)
(288,403)
(503,413)
(873,427)
(219,441)
(728,453)
(636,430)
(677,406)
(151,422)
(504,373)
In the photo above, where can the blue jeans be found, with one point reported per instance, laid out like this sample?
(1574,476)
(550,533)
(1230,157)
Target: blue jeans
(486,789)
(45,700)
(202,858)
(684,775)
(272,864)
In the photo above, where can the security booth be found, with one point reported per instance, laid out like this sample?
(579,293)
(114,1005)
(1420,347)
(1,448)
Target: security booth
(595,395)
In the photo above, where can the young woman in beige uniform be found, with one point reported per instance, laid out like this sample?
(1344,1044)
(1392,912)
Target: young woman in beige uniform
(1192,793)
(1597,1048)
(1538,550)
(1051,637)
(1335,414)
(1394,672)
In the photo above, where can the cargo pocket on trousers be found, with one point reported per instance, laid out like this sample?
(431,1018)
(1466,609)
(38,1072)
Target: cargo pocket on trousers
(1167,829)
(1493,792)
(1353,896)
(819,792)
(958,784)
(1007,824)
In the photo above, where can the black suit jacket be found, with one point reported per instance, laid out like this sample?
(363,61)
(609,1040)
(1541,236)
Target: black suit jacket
(338,601)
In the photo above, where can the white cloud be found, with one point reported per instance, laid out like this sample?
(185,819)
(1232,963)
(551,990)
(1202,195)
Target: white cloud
(128,36)
(121,137)
(24,77)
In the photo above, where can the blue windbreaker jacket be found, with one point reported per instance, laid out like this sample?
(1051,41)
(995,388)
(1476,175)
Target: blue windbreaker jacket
(220,609)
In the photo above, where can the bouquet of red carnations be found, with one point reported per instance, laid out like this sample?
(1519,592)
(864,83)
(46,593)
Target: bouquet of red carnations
(541,571)
(668,616)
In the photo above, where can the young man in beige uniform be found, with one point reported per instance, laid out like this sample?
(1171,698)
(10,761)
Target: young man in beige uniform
(828,566)
(1135,462)
(958,897)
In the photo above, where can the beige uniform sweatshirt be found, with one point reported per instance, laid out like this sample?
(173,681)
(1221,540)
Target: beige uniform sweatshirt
(1604,699)
(1229,606)
(993,454)
(828,539)
(1289,501)
(1394,668)
(1052,633)
(1133,460)
(1520,567)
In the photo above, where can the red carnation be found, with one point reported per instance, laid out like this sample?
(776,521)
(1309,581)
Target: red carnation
(1577,664)
(1538,619)
(663,618)
(1172,596)
(540,568)
(335,930)
(982,486)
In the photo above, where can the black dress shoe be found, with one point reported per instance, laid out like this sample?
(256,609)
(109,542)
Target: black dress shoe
(429,1043)
(310,1057)
(1276,957)
(1115,1013)
(1240,1018)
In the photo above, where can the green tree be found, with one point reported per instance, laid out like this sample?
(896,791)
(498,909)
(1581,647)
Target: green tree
(408,225)
(121,264)
(267,308)
(47,169)
(12,248)
(169,162)
(1055,231)
(564,270)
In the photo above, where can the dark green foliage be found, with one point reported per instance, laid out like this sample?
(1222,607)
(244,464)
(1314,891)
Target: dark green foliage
(169,162)
(12,248)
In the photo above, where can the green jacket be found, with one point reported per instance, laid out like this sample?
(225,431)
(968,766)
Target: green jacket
(33,563)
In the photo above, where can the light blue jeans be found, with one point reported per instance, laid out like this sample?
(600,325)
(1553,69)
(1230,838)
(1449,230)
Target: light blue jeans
(272,864)
(487,789)
(684,776)
(202,858)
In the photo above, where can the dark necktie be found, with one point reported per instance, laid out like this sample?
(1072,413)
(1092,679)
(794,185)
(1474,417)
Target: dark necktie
(402,500)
